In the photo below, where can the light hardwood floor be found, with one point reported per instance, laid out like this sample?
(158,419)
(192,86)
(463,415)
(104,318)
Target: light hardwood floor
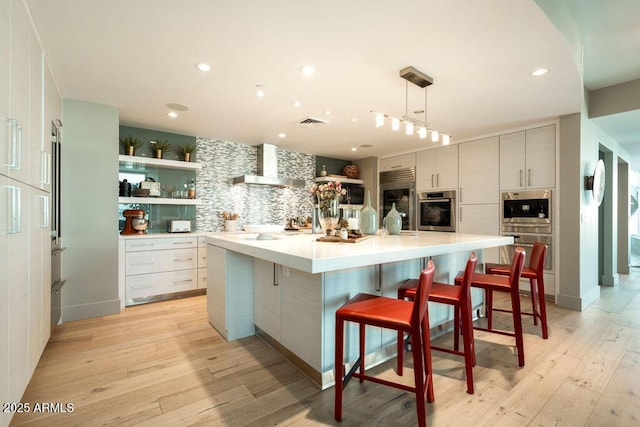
(163,364)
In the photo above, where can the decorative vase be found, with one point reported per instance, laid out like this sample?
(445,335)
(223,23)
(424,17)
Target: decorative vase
(187,157)
(231,225)
(323,172)
(393,221)
(158,154)
(328,213)
(131,150)
(368,217)
(351,171)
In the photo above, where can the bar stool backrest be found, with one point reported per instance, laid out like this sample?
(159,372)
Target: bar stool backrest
(538,254)
(421,301)
(516,266)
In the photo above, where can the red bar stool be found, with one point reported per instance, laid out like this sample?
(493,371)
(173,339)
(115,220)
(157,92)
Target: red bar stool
(492,282)
(535,273)
(389,313)
(460,298)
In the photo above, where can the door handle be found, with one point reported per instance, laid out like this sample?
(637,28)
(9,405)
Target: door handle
(529,178)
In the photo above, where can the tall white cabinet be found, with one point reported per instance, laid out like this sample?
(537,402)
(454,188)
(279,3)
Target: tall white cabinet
(479,197)
(25,234)
(437,169)
(528,159)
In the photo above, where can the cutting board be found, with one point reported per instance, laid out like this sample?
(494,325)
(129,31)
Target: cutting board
(338,240)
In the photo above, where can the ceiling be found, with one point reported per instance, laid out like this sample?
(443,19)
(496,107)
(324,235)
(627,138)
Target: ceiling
(140,55)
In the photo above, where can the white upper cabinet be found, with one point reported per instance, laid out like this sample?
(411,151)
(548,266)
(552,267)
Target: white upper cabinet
(398,162)
(528,159)
(437,169)
(19,62)
(37,155)
(479,176)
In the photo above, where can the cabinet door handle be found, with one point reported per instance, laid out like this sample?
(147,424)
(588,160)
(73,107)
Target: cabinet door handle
(520,179)
(44,205)
(529,178)
(460,213)
(15,219)
(182,243)
(460,194)
(12,152)
(144,263)
(432,181)
(275,275)
(17,146)
(182,259)
(438,180)
(396,166)
(182,281)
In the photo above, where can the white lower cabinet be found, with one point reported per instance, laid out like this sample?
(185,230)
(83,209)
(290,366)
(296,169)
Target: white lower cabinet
(202,263)
(160,266)
(481,219)
(267,297)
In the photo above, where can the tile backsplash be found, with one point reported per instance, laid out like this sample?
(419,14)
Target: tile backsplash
(256,204)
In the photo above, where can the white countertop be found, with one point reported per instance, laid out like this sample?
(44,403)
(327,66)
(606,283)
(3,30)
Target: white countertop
(302,252)
(163,234)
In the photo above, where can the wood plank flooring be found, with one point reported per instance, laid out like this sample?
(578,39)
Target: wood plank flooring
(162,364)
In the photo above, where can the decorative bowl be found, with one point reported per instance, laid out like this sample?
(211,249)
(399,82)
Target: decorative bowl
(265,231)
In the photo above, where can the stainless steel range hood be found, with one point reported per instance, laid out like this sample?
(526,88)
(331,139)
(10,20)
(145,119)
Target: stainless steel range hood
(268,170)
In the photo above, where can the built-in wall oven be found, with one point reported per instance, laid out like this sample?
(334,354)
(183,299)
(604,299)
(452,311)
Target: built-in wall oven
(437,211)
(526,215)
(398,186)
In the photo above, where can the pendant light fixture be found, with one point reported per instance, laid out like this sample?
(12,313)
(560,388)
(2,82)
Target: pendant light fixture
(410,74)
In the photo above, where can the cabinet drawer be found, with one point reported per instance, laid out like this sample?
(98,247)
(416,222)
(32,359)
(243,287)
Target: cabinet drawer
(202,257)
(160,244)
(147,285)
(202,278)
(159,261)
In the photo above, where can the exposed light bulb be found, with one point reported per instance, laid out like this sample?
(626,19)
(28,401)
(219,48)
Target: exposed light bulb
(445,139)
(259,91)
(409,128)
(379,120)
(422,132)
(434,136)
(172,114)
(395,123)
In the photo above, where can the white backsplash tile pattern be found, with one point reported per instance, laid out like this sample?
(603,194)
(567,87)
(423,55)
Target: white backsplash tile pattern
(257,204)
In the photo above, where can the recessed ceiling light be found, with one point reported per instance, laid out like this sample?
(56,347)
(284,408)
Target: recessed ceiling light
(203,67)
(259,91)
(539,72)
(354,149)
(296,103)
(307,70)
(327,112)
(172,114)
(354,119)
(282,134)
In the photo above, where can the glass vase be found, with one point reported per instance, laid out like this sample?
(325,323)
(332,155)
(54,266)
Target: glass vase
(328,212)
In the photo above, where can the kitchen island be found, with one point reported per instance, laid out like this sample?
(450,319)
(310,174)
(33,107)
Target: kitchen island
(287,290)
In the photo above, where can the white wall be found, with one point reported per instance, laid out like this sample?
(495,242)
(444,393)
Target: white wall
(89,210)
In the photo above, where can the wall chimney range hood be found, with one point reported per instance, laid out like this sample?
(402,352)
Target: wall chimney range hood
(268,170)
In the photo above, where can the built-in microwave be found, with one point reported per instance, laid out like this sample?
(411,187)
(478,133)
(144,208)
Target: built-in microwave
(437,211)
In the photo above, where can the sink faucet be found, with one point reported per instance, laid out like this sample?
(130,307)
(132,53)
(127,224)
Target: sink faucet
(314,229)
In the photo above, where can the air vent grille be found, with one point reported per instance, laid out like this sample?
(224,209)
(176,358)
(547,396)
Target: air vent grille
(311,122)
(398,175)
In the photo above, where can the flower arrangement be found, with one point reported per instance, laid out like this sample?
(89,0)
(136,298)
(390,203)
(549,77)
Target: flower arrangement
(327,192)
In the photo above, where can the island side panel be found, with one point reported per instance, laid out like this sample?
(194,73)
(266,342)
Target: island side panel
(230,292)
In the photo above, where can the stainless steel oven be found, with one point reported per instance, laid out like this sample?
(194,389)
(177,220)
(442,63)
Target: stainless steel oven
(526,215)
(398,186)
(437,211)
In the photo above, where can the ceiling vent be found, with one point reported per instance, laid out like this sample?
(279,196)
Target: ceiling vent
(311,122)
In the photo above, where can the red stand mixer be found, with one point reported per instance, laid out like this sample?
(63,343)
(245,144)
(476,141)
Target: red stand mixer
(135,223)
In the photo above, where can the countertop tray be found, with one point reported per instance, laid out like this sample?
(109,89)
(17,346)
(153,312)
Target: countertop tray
(336,239)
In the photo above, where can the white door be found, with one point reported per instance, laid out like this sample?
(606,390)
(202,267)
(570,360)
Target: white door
(541,157)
